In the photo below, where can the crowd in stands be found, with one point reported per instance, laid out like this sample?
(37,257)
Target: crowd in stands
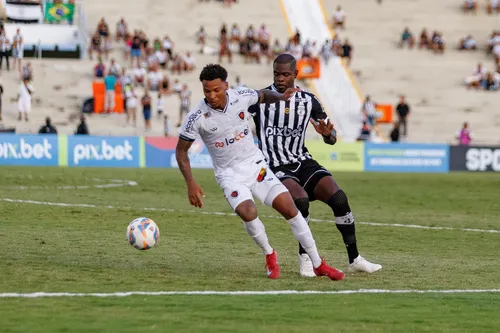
(472,6)
(146,64)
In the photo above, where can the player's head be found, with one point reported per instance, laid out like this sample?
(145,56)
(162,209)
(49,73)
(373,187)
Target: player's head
(284,72)
(213,78)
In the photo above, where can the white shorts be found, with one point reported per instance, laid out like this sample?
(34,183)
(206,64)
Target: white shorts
(266,190)
(24,106)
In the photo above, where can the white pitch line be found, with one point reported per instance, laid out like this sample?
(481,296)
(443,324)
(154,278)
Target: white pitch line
(171,210)
(246,293)
(113,183)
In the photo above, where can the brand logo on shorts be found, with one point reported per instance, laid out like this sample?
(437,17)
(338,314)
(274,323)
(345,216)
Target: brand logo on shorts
(241,115)
(280,174)
(234,194)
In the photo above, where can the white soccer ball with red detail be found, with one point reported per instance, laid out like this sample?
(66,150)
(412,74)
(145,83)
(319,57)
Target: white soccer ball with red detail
(143,233)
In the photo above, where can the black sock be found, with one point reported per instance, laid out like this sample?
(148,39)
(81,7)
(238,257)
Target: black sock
(349,236)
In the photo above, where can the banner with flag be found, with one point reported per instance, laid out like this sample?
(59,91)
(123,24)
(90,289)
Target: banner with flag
(59,12)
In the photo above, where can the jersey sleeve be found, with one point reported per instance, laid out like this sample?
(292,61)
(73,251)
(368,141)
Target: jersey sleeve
(317,110)
(248,96)
(254,109)
(191,127)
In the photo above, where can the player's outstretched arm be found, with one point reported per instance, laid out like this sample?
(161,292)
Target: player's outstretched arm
(326,129)
(270,96)
(195,193)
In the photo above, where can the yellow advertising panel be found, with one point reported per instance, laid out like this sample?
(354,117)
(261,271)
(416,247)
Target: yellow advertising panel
(339,157)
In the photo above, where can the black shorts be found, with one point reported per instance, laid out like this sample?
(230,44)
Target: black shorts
(307,173)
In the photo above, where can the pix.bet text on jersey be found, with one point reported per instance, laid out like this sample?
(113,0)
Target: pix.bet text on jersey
(281,127)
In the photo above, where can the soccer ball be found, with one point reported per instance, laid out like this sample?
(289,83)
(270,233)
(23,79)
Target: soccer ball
(143,233)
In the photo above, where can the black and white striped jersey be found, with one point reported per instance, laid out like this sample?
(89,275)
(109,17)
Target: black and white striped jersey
(281,127)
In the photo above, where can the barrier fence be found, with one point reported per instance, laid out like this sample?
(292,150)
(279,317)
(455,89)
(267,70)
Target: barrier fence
(159,152)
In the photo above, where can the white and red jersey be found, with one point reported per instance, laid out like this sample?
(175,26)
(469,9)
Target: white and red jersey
(226,133)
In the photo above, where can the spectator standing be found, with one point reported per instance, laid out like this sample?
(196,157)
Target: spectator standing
(167,128)
(48,128)
(24,99)
(347,52)
(339,17)
(369,110)
(403,111)
(1,96)
(185,96)
(146,110)
(131,104)
(18,49)
(463,135)
(82,128)
(4,49)
(109,101)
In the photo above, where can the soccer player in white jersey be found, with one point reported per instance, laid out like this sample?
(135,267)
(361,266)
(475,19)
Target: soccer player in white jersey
(221,120)
(281,130)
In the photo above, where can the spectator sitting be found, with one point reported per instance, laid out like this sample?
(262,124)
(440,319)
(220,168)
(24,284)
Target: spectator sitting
(178,64)
(493,5)
(237,83)
(365,132)
(338,18)
(395,132)
(139,75)
(478,75)
(168,45)
(82,128)
(154,79)
(424,41)
(277,48)
(121,29)
(467,43)
(99,69)
(370,113)
(48,128)
(177,87)
(235,34)
(438,43)
(490,83)
(407,38)
(189,62)
(470,6)
(95,45)
(162,57)
(27,72)
(496,52)
(157,45)
(493,40)
(114,68)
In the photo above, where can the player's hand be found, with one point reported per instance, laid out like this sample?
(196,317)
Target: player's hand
(195,193)
(289,93)
(322,127)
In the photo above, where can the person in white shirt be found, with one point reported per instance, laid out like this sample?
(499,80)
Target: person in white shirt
(189,62)
(494,5)
(18,49)
(24,99)
(185,96)
(478,74)
(139,75)
(160,105)
(221,120)
(4,50)
(339,18)
(467,43)
(131,104)
(154,79)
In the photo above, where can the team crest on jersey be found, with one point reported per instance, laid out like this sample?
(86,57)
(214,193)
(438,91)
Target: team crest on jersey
(301,110)
(207,115)
(287,110)
(234,194)
(241,115)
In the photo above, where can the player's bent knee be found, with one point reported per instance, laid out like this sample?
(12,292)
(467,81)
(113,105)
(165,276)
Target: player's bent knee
(302,205)
(340,206)
(247,210)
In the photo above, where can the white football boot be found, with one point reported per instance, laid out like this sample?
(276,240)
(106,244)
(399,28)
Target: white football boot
(360,264)
(306,266)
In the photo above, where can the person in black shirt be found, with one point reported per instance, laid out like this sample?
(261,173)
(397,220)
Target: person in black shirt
(395,132)
(1,94)
(82,128)
(347,52)
(48,128)
(281,130)
(403,111)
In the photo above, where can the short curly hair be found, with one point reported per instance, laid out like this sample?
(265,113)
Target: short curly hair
(213,72)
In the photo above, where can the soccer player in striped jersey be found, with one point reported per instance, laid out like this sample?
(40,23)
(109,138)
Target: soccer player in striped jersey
(281,131)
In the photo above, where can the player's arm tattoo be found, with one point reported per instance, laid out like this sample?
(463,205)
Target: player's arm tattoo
(181,154)
(332,138)
(269,96)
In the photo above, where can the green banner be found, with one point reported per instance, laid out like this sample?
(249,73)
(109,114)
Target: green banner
(339,157)
(59,12)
